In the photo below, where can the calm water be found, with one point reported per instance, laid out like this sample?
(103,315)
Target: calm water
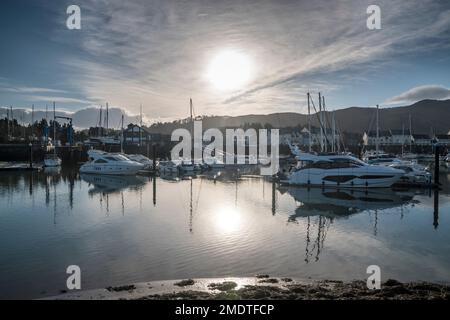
(122,230)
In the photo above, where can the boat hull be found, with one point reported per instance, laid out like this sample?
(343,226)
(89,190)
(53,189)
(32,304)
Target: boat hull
(343,178)
(109,170)
(52,162)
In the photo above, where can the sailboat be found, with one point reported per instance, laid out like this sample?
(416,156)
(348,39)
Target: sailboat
(52,159)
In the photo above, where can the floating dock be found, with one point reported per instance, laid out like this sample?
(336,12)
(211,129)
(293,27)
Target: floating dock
(19,167)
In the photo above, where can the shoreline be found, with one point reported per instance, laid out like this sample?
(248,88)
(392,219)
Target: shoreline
(262,287)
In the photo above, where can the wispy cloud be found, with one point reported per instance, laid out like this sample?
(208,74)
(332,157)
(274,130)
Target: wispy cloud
(27,90)
(39,98)
(420,93)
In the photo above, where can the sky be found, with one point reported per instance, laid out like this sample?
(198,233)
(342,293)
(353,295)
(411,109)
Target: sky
(231,57)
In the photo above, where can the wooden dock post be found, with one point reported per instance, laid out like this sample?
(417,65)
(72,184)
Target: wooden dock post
(154,158)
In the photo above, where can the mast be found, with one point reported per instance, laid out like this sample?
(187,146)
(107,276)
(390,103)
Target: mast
(321,121)
(309,123)
(333,124)
(100,122)
(403,138)
(140,128)
(378,133)
(410,134)
(32,121)
(46,123)
(107,118)
(7,122)
(12,122)
(191,107)
(121,138)
(324,125)
(54,128)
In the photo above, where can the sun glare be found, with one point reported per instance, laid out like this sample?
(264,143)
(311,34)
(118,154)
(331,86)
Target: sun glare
(228,220)
(229,70)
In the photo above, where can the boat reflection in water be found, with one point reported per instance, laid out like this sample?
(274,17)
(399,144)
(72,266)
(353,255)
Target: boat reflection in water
(112,184)
(320,207)
(334,203)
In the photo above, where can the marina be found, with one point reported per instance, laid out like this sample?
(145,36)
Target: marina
(226,150)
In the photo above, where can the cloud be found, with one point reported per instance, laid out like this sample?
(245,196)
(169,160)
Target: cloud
(27,90)
(57,99)
(420,93)
(156,52)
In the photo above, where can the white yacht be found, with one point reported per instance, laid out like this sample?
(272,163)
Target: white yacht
(186,166)
(107,163)
(148,163)
(340,171)
(414,173)
(52,160)
(168,167)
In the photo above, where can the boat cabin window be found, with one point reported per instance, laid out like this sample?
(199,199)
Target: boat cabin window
(100,161)
(406,169)
(345,163)
(111,158)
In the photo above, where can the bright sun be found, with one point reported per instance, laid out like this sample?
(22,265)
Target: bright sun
(229,70)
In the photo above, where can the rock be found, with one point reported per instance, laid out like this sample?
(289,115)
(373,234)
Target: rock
(224,286)
(185,283)
(391,283)
(122,288)
(270,280)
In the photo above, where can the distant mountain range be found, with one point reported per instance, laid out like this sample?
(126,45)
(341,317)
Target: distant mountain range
(426,116)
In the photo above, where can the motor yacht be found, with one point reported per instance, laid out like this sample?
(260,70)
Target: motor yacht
(108,163)
(340,171)
(168,167)
(414,173)
(52,160)
(148,163)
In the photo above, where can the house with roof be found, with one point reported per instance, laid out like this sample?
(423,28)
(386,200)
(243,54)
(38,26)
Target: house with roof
(384,138)
(421,140)
(140,136)
(400,137)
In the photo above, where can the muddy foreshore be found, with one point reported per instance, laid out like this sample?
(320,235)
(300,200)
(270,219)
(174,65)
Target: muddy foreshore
(263,287)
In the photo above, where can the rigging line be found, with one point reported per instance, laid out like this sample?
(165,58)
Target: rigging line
(320,122)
